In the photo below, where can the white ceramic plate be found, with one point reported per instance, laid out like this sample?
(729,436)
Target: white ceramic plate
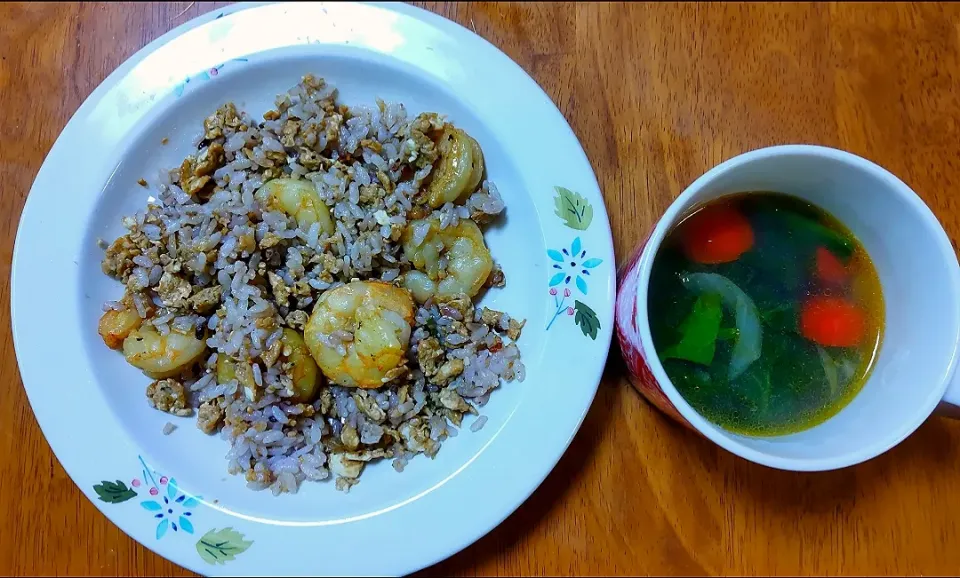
(172,493)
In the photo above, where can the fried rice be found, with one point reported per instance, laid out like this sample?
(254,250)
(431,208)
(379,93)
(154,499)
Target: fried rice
(205,258)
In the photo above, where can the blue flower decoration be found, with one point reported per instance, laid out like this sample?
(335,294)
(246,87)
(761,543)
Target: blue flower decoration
(572,265)
(174,513)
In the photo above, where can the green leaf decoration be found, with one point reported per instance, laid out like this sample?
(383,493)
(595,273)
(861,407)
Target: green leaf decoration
(114,492)
(221,546)
(575,211)
(586,318)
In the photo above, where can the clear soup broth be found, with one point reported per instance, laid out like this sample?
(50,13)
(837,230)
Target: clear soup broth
(766,313)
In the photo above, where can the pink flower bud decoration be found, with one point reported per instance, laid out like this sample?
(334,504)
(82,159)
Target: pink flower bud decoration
(154,491)
(553,291)
(163,480)
(569,310)
(135,483)
(566,293)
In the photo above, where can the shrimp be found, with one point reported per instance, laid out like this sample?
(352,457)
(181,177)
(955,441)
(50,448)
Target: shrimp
(116,325)
(161,356)
(304,371)
(299,199)
(229,369)
(358,333)
(460,169)
(448,261)
(476,175)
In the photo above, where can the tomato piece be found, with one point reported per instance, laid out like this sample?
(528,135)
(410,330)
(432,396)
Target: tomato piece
(832,321)
(830,269)
(717,234)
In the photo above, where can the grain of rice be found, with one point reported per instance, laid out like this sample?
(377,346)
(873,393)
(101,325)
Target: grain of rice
(478,423)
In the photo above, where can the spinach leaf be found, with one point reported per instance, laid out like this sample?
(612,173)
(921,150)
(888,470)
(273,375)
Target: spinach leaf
(669,303)
(746,350)
(754,388)
(728,334)
(799,386)
(782,317)
(698,341)
(806,228)
(775,268)
(696,385)
(801,366)
(832,239)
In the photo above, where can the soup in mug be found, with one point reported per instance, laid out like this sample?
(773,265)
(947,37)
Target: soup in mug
(766,313)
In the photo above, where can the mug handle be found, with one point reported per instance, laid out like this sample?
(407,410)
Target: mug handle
(950,404)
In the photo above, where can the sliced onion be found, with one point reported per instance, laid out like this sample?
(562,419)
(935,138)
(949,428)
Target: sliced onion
(830,369)
(746,350)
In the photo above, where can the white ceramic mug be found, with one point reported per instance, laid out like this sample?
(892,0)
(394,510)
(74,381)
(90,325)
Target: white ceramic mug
(916,367)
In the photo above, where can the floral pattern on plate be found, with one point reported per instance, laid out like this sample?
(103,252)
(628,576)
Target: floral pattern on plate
(573,264)
(205,75)
(172,508)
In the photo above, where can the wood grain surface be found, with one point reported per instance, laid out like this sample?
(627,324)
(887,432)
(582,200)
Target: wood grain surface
(657,94)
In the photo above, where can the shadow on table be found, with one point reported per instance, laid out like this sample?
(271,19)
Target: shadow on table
(551,492)
(932,447)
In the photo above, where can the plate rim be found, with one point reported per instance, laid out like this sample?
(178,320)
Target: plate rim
(433,20)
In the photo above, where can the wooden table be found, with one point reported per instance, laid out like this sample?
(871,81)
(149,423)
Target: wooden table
(657,94)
